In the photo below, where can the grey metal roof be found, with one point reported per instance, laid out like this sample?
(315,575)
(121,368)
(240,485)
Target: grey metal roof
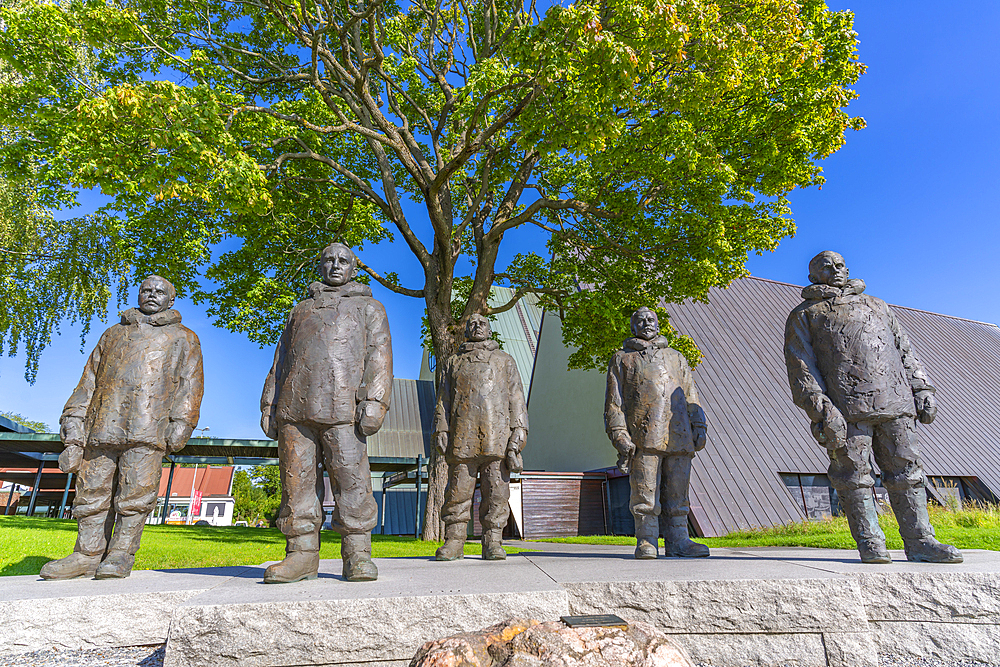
(756,431)
(518,329)
(406,431)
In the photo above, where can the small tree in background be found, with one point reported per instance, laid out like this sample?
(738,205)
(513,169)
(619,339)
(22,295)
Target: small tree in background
(257,494)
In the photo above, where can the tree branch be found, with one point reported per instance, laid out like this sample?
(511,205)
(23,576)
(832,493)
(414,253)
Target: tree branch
(388,284)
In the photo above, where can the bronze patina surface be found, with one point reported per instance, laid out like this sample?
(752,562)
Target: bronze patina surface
(329,389)
(480,426)
(654,420)
(139,398)
(851,367)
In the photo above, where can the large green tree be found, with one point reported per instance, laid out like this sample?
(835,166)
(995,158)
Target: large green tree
(653,141)
(51,270)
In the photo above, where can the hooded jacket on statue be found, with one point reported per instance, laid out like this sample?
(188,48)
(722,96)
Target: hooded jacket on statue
(316,376)
(854,341)
(145,373)
(490,401)
(651,394)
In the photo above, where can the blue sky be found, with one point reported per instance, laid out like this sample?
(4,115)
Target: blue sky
(910,202)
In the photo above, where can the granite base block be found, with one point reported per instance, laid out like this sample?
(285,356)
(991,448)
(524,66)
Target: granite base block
(741,606)
(953,642)
(342,631)
(804,649)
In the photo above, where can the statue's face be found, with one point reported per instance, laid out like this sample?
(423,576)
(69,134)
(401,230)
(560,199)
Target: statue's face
(155,296)
(337,265)
(645,324)
(477,329)
(829,269)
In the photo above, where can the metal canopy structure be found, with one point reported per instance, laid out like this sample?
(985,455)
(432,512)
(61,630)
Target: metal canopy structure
(31,459)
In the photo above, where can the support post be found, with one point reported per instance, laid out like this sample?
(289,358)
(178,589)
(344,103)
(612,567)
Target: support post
(166,501)
(381,522)
(10,497)
(416,515)
(34,489)
(62,505)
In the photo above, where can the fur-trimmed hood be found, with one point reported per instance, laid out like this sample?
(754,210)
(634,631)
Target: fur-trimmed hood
(134,316)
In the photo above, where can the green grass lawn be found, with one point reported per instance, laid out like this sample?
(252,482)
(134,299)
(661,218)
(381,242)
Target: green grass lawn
(969,528)
(28,543)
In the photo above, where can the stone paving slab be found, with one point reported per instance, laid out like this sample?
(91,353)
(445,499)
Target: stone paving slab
(86,613)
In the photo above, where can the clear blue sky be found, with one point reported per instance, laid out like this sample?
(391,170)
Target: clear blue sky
(910,202)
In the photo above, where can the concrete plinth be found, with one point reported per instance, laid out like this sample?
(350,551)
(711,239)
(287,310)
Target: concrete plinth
(765,607)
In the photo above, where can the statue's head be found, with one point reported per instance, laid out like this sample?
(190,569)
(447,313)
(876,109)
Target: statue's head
(477,329)
(337,264)
(645,324)
(156,294)
(828,268)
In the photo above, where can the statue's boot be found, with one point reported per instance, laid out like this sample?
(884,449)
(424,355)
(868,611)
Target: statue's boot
(454,542)
(859,506)
(677,543)
(296,566)
(301,561)
(647,534)
(118,562)
(356,551)
(910,507)
(493,544)
(72,566)
(86,556)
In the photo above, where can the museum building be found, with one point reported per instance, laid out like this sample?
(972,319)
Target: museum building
(762,466)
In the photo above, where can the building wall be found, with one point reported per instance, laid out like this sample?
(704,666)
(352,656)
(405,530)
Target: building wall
(565,411)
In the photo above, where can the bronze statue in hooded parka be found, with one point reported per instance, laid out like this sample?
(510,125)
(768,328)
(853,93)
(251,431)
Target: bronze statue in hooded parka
(480,427)
(329,389)
(654,420)
(852,369)
(138,398)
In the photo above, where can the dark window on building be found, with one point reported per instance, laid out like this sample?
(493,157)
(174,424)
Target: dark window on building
(813,494)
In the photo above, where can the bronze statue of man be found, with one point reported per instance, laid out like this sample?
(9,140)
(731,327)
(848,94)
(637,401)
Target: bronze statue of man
(852,369)
(480,426)
(139,398)
(328,389)
(652,416)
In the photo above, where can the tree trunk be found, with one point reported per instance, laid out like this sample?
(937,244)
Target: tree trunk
(437,480)
(446,343)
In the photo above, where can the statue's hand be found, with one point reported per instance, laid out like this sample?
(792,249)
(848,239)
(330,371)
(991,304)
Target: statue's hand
(178,434)
(626,450)
(831,428)
(441,442)
(71,458)
(370,416)
(71,431)
(514,461)
(518,438)
(700,434)
(269,424)
(926,406)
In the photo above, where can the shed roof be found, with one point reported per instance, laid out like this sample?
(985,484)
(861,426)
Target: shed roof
(756,431)
(10,426)
(406,431)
